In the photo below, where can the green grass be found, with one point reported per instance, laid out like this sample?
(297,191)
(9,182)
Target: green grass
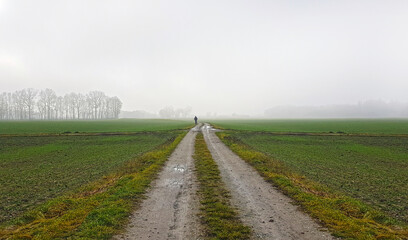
(219,217)
(97,210)
(351,174)
(345,216)
(372,126)
(78,179)
(371,169)
(99,126)
(35,169)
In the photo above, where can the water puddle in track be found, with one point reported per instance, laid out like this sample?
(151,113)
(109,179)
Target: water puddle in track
(179,168)
(209,128)
(176,183)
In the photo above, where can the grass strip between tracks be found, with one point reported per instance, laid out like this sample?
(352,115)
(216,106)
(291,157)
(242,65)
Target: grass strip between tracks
(220,218)
(344,216)
(97,210)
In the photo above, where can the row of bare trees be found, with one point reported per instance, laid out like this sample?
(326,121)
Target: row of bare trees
(28,104)
(170,112)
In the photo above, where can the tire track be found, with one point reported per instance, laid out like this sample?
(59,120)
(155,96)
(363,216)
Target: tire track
(269,212)
(171,205)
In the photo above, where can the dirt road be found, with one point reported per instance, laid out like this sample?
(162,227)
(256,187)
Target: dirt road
(264,208)
(171,207)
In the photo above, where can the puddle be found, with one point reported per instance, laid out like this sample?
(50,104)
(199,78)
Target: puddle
(208,128)
(174,183)
(197,129)
(179,168)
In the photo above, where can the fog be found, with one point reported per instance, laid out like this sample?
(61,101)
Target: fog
(248,58)
(367,109)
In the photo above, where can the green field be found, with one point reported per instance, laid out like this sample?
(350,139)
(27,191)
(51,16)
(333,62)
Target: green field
(373,126)
(35,168)
(373,169)
(119,125)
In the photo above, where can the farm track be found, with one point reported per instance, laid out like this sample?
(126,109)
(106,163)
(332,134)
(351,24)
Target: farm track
(171,205)
(270,213)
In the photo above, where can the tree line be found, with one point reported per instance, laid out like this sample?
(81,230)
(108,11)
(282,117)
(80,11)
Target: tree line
(170,112)
(28,104)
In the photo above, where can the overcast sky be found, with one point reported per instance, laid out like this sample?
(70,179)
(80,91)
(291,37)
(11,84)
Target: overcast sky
(215,56)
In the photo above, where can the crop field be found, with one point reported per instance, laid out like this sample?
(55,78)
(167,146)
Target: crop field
(371,126)
(91,126)
(372,169)
(83,179)
(35,168)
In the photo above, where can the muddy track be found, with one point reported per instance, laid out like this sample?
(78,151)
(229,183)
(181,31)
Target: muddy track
(171,205)
(262,207)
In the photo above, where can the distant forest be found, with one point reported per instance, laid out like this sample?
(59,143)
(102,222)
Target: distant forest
(29,104)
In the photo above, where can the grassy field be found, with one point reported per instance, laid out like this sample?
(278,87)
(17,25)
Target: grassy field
(37,165)
(35,169)
(119,125)
(373,126)
(69,185)
(97,210)
(370,171)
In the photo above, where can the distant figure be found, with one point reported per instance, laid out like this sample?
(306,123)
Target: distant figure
(195,120)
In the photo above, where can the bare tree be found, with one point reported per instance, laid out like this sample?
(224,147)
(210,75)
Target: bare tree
(48,97)
(18,104)
(167,112)
(59,108)
(41,106)
(187,111)
(3,106)
(78,103)
(70,102)
(10,106)
(95,99)
(24,104)
(29,95)
(115,107)
(66,106)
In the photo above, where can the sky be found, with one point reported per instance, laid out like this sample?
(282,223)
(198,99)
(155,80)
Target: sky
(216,56)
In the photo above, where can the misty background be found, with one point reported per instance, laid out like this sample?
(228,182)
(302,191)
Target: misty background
(214,58)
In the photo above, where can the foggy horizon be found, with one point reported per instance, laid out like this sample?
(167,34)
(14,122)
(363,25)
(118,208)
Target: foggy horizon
(363,110)
(220,57)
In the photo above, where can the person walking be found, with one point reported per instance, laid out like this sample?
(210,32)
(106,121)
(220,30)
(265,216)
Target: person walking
(195,120)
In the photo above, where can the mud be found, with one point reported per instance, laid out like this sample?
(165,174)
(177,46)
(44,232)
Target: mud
(171,205)
(262,207)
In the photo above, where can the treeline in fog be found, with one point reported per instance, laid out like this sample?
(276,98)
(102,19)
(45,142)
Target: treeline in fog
(28,104)
(366,109)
